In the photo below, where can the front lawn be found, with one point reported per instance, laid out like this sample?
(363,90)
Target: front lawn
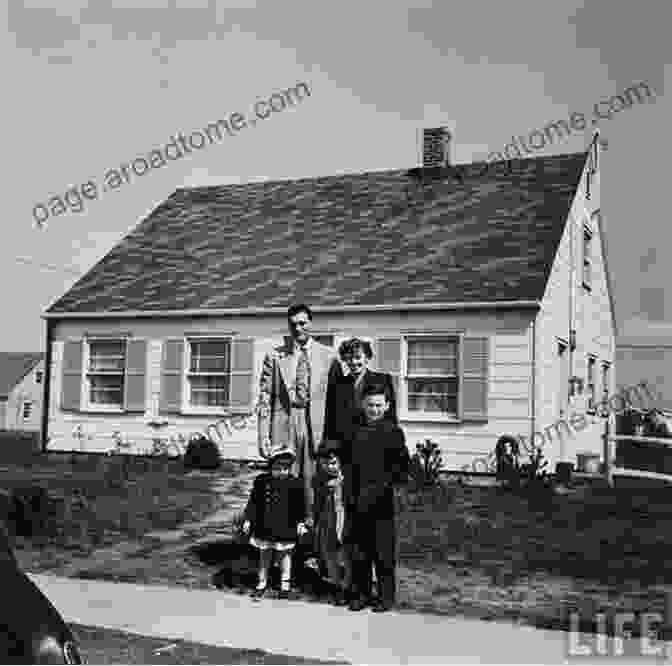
(99,503)
(486,552)
(463,550)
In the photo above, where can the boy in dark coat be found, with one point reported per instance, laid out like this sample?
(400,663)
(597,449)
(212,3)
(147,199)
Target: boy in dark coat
(275,516)
(378,459)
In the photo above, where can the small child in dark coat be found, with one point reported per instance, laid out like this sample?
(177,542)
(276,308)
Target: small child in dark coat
(379,459)
(275,516)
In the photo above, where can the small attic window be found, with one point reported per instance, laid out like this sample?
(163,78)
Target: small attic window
(593,165)
(587,258)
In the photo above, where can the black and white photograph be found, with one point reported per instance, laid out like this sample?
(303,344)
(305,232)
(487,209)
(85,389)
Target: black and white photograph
(320,346)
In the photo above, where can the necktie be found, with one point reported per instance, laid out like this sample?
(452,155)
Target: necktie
(302,383)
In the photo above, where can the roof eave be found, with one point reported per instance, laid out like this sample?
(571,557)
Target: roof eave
(200,312)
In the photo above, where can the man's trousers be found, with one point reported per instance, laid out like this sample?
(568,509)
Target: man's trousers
(302,444)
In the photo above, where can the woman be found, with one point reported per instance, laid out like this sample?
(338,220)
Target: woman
(344,393)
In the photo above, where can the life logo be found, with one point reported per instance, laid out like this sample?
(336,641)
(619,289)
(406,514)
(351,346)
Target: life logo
(633,636)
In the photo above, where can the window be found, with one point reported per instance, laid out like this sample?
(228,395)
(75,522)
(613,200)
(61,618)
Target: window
(325,339)
(209,372)
(27,409)
(590,381)
(38,376)
(432,378)
(564,388)
(587,259)
(105,372)
(605,379)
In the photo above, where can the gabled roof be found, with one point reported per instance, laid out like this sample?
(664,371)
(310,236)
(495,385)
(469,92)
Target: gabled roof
(472,234)
(14,366)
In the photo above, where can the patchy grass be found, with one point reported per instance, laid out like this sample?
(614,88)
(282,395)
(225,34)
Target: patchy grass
(463,550)
(107,506)
(485,552)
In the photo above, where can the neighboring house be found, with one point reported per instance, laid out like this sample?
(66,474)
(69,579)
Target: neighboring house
(646,359)
(484,291)
(21,391)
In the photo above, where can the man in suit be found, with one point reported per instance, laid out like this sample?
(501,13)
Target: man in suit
(292,393)
(344,393)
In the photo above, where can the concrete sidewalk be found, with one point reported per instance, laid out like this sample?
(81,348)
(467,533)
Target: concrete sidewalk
(298,628)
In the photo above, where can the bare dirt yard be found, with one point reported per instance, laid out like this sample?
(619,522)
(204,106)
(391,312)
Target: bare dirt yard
(463,550)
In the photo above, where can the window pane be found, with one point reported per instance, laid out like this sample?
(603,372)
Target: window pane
(432,395)
(107,355)
(210,356)
(106,389)
(209,391)
(327,340)
(432,357)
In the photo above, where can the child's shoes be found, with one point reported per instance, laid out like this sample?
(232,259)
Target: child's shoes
(357,604)
(259,593)
(381,606)
(338,598)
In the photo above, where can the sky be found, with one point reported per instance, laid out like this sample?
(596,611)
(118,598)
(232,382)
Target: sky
(89,86)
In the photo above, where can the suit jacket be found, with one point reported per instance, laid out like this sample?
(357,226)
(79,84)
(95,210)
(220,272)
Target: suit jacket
(277,378)
(343,413)
(276,507)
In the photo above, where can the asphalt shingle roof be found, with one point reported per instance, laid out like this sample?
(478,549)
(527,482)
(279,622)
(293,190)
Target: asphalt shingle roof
(14,366)
(379,238)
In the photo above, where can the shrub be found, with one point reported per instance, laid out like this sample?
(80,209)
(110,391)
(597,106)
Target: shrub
(507,453)
(426,463)
(533,473)
(238,535)
(30,511)
(202,453)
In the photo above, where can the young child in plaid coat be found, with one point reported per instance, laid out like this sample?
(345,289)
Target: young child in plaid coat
(274,517)
(331,523)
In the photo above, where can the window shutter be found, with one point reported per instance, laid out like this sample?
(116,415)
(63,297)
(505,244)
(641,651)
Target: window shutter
(242,371)
(388,359)
(136,374)
(172,376)
(474,389)
(71,387)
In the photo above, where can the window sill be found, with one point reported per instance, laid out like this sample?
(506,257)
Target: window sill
(218,412)
(102,409)
(420,417)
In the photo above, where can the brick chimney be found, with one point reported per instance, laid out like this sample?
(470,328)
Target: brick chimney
(436,147)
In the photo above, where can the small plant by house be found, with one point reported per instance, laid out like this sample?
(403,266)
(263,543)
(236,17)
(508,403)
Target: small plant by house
(426,464)
(202,453)
(507,458)
(237,525)
(533,473)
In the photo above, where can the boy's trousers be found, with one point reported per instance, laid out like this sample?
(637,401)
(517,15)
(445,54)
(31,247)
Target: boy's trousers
(374,544)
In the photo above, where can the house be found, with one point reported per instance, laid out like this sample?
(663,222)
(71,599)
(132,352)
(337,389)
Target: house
(485,290)
(21,390)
